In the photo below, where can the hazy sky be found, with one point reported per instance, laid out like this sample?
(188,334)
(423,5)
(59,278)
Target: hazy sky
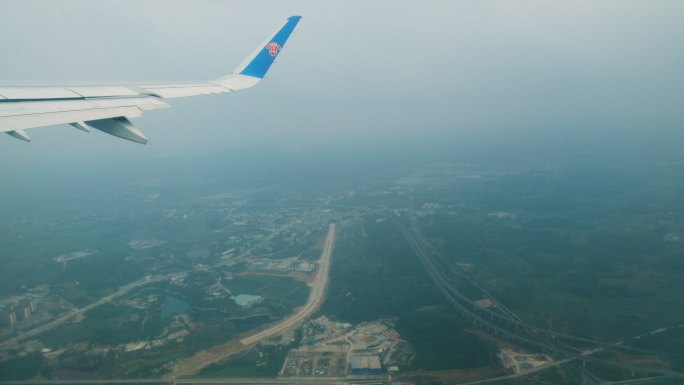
(367,73)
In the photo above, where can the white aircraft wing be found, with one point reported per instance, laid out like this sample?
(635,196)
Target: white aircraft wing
(109,108)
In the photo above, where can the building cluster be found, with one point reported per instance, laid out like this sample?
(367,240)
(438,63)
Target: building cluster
(337,349)
(282,265)
(518,362)
(21,310)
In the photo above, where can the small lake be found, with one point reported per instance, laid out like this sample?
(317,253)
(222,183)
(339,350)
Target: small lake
(175,306)
(246,299)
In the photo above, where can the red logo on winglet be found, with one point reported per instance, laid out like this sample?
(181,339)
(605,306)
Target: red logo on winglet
(273,48)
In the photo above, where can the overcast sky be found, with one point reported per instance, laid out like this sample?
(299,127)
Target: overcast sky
(368,73)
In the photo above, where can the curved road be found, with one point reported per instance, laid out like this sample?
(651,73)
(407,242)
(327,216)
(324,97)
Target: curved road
(214,354)
(316,295)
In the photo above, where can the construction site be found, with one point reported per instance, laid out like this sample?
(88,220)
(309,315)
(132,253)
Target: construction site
(334,349)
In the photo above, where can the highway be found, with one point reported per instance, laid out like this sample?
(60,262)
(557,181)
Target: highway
(75,313)
(439,269)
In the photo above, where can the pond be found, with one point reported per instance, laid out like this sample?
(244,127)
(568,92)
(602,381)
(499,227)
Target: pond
(246,300)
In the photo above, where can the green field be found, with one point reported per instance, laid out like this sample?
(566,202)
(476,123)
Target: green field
(280,291)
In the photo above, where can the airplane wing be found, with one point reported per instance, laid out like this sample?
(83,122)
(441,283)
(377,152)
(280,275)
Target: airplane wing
(109,108)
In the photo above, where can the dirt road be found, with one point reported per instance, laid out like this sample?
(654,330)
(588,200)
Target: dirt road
(318,286)
(313,303)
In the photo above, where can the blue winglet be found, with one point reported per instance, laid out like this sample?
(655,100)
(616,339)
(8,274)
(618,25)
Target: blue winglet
(265,55)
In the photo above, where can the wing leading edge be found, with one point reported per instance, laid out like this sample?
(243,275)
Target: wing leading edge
(109,108)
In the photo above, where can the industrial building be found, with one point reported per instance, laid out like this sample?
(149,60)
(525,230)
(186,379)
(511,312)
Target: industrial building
(365,364)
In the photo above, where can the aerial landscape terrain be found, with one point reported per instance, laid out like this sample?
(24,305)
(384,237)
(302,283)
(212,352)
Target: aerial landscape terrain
(418,193)
(440,271)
